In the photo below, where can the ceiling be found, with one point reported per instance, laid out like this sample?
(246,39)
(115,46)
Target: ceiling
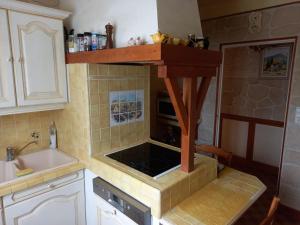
(210,9)
(49,3)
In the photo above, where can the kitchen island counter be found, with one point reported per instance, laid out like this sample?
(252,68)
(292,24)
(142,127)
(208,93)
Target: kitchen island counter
(161,194)
(221,202)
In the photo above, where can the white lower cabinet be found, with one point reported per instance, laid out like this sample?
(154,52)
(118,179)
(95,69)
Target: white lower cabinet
(108,215)
(62,206)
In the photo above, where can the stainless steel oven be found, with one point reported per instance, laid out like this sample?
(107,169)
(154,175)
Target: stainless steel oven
(165,108)
(166,128)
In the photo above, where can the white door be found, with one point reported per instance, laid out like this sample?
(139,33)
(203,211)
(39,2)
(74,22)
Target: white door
(7,87)
(38,49)
(62,206)
(108,215)
(1,217)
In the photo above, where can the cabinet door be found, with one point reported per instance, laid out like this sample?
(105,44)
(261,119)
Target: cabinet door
(64,205)
(7,88)
(38,49)
(108,215)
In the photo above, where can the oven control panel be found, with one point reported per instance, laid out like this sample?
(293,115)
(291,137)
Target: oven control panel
(123,202)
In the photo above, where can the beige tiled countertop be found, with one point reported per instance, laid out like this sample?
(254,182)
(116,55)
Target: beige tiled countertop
(221,202)
(29,181)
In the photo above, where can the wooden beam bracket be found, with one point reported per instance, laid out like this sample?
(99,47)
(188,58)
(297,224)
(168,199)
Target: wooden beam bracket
(187,106)
(178,104)
(185,71)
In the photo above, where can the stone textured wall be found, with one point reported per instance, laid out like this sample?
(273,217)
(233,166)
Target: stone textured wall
(245,93)
(277,22)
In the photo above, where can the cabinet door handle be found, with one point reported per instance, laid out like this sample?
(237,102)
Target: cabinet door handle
(11,59)
(21,60)
(114,212)
(51,186)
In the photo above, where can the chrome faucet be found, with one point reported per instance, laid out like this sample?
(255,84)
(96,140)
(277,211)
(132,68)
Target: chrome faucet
(12,153)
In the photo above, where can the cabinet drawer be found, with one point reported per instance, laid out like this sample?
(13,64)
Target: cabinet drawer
(37,190)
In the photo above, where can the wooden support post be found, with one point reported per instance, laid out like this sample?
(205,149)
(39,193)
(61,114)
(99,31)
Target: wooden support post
(250,141)
(188,106)
(188,140)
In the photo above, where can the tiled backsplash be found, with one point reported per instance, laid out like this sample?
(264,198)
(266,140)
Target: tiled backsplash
(104,79)
(73,122)
(126,107)
(15,130)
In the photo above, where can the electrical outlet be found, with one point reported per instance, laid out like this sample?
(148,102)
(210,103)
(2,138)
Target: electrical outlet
(35,135)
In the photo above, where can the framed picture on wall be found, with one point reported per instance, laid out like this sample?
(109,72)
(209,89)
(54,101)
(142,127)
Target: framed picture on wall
(276,62)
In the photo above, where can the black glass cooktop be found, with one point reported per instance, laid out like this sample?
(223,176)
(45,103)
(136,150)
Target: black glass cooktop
(148,158)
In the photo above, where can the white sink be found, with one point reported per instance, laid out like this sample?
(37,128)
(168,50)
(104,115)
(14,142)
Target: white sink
(40,161)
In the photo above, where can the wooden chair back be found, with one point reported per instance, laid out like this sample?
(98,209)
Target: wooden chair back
(268,220)
(219,152)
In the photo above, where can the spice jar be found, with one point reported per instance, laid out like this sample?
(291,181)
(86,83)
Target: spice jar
(101,41)
(71,43)
(95,41)
(80,42)
(87,41)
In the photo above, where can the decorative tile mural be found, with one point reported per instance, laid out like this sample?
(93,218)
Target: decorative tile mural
(126,107)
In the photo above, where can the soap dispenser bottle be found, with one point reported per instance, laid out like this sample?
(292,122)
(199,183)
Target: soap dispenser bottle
(53,136)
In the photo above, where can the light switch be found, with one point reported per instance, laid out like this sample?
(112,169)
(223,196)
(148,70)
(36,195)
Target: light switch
(297,116)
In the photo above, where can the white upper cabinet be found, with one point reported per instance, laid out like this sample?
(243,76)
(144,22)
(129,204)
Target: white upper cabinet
(32,59)
(38,49)
(7,90)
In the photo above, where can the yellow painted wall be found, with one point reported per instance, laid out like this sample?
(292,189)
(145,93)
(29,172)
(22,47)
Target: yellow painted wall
(216,8)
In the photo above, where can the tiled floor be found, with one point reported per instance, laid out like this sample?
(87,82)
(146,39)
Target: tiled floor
(259,209)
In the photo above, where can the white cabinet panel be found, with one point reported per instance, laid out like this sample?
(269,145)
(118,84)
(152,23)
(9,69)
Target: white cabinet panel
(40,73)
(234,137)
(1,217)
(268,144)
(7,87)
(108,215)
(64,205)
(90,202)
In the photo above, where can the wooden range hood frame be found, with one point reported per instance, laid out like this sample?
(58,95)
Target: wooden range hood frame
(173,62)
